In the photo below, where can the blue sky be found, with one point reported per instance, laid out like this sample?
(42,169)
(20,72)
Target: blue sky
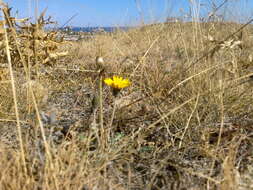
(123,12)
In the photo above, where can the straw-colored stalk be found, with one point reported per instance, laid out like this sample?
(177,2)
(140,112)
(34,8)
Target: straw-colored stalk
(14,92)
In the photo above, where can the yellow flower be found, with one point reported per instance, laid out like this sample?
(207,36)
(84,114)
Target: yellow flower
(117,82)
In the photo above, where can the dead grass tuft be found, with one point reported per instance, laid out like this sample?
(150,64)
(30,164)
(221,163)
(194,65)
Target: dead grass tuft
(184,123)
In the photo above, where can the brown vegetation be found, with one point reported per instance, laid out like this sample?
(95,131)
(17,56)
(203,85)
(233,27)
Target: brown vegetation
(184,123)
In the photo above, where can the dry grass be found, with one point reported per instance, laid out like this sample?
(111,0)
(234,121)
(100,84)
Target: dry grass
(182,124)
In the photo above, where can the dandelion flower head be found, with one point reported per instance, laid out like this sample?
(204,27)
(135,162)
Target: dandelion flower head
(117,82)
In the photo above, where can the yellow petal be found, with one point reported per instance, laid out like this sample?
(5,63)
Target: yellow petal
(108,81)
(117,82)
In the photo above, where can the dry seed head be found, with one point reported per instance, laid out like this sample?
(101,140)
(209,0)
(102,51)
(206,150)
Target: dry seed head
(100,62)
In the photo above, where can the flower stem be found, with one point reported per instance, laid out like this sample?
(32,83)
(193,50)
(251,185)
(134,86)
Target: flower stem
(113,113)
(101,118)
(110,133)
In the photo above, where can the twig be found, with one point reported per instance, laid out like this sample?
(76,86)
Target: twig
(221,127)
(188,121)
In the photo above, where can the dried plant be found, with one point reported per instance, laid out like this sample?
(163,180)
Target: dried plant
(29,42)
(185,122)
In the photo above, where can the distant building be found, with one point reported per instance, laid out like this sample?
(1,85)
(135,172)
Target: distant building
(173,19)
